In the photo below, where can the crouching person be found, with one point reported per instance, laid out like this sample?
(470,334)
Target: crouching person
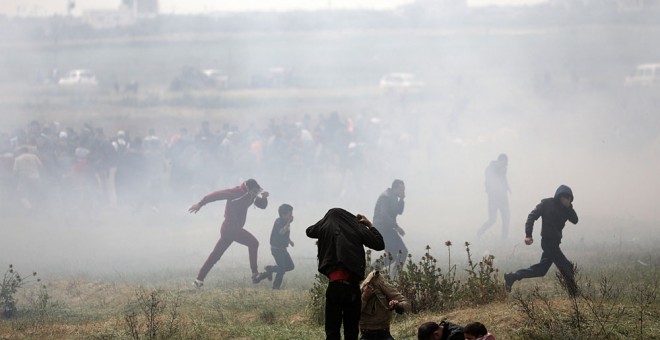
(477,331)
(379,300)
(442,330)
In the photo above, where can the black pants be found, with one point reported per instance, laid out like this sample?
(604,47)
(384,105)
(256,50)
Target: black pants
(551,254)
(342,304)
(379,335)
(394,244)
(284,264)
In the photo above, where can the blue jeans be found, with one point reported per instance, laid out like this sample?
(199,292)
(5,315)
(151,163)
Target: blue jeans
(284,264)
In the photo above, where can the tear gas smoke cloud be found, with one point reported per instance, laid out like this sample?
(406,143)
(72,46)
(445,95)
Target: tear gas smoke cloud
(551,98)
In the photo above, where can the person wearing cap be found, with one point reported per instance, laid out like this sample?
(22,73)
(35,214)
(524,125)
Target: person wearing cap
(239,199)
(554,211)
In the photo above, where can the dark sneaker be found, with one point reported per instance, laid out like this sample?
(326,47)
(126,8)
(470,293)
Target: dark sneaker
(198,284)
(508,282)
(269,272)
(258,277)
(268,276)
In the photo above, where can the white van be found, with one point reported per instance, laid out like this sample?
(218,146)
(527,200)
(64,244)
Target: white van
(645,75)
(79,77)
(400,81)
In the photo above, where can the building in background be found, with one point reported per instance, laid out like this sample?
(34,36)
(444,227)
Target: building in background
(128,13)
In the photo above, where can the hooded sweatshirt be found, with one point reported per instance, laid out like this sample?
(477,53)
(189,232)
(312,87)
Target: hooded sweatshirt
(554,216)
(341,241)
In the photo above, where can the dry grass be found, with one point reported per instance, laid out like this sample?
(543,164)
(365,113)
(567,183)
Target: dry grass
(96,307)
(93,305)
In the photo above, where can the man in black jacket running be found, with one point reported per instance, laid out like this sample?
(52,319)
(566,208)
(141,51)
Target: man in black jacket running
(554,211)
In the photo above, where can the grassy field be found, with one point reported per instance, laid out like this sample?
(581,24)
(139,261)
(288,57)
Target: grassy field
(113,296)
(90,308)
(97,310)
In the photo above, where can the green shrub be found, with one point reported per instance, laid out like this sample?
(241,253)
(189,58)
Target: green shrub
(316,306)
(11,282)
(481,285)
(425,284)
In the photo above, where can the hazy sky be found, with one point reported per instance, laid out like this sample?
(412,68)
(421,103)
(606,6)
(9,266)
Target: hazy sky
(50,7)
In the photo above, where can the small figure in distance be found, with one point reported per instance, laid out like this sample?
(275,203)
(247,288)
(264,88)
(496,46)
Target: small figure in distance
(497,189)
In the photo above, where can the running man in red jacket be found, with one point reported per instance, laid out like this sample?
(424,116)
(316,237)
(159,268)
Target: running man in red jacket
(239,199)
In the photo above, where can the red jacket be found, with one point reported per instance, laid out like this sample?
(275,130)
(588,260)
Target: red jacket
(238,201)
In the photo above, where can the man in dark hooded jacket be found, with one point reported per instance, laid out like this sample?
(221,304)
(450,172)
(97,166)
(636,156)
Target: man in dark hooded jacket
(341,240)
(554,211)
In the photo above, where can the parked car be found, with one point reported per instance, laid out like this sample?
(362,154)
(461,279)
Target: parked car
(645,75)
(79,77)
(400,81)
(191,78)
(220,79)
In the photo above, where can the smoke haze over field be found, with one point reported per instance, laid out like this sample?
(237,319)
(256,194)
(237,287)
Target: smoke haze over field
(551,97)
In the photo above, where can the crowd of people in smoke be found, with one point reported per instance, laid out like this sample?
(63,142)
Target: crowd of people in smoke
(46,164)
(47,167)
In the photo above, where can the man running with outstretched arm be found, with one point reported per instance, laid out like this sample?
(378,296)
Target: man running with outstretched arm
(239,199)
